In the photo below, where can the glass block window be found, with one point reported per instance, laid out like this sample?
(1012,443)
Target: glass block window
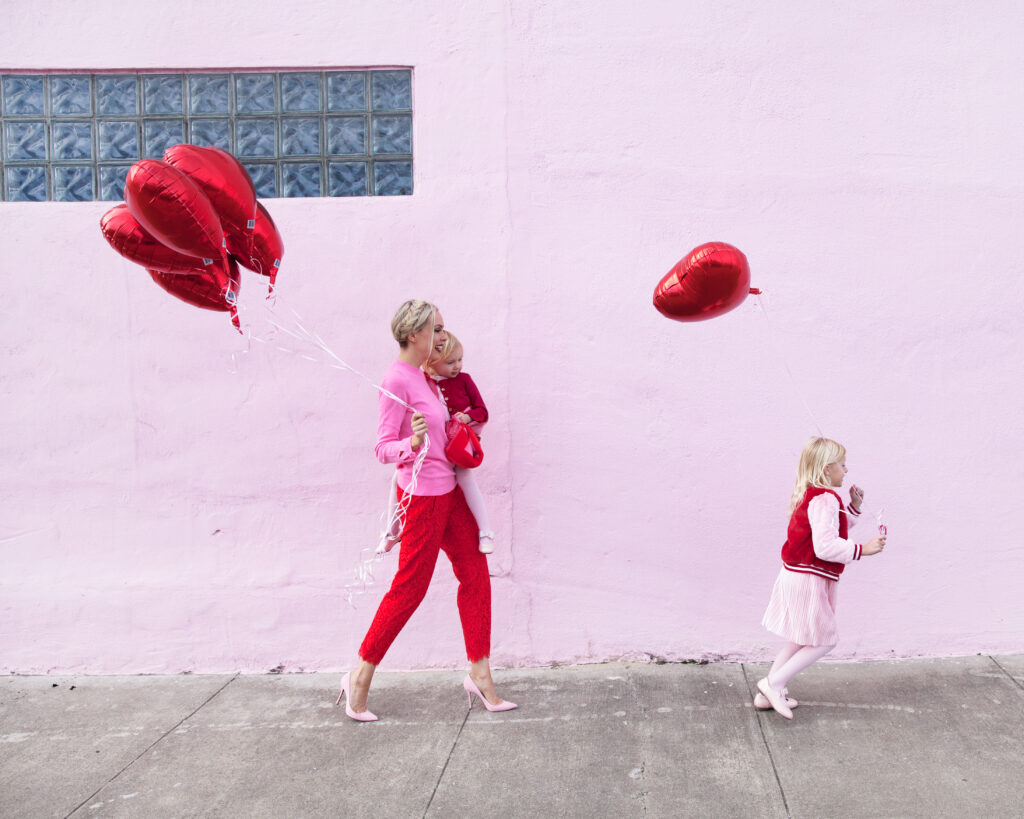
(73,137)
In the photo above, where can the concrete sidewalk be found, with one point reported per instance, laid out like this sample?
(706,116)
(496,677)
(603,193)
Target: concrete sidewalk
(907,738)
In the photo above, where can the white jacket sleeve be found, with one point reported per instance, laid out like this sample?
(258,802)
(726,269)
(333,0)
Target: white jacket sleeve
(823,515)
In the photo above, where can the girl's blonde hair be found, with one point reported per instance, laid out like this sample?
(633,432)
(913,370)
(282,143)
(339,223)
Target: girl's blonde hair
(411,317)
(450,346)
(817,454)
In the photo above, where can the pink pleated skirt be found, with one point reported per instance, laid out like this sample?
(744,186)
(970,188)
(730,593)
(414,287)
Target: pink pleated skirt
(802,609)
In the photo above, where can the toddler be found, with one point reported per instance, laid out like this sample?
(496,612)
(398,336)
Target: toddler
(464,402)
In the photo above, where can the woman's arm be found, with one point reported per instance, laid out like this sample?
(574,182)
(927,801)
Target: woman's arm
(391,447)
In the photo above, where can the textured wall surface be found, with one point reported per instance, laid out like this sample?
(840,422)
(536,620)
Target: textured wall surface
(178,498)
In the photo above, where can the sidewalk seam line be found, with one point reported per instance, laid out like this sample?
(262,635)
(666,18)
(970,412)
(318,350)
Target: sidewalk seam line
(1013,679)
(150,747)
(767,747)
(645,725)
(451,751)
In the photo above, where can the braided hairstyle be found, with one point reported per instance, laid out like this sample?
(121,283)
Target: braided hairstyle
(411,317)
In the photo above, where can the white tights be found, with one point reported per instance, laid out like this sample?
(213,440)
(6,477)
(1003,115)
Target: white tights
(474,498)
(793,659)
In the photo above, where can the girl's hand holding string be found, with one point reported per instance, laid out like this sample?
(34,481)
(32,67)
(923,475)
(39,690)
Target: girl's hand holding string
(419,430)
(463,417)
(875,545)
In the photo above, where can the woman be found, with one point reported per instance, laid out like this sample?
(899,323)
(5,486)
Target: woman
(437,517)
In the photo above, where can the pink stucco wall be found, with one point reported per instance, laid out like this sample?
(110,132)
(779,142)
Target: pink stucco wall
(170,503)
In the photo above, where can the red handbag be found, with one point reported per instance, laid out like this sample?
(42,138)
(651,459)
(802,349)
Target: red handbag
(463,447)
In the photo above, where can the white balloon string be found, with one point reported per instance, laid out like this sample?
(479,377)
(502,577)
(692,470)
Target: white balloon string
(785,363)
(882,529)
(297,330)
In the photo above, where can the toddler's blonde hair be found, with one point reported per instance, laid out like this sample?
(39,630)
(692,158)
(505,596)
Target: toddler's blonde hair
(817,454)
(411,317)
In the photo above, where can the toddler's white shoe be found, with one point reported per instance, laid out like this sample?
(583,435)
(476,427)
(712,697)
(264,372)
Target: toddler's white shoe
(486,542)
(388,542)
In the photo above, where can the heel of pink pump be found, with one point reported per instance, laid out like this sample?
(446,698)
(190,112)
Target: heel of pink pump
(471,689)
(358,716)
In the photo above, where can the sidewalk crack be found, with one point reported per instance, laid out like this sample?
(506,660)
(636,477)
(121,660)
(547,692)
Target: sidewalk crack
(764,738)
(150,747)
(451,751)
(644,734)
(1013,679)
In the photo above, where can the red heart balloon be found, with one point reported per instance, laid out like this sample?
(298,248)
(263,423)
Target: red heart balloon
(131,240)
(711,280)
(215,288)
(267,247)
(228,187)
(171,207)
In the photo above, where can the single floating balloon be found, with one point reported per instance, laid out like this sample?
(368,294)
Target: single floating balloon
(712,279)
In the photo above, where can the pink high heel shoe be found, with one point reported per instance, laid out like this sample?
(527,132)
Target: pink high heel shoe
(472,689)
(358,716)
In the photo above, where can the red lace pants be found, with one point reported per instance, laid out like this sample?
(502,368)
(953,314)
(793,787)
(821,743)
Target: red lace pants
(434,523)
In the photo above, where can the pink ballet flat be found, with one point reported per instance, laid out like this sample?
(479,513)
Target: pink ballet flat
(486,542)
(775,698)
(358,716)
(471,689)
(761,701)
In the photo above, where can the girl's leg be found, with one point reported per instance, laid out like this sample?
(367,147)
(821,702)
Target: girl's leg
(474,498)
(788,650)
(460,543)
(801,659)
(421,541)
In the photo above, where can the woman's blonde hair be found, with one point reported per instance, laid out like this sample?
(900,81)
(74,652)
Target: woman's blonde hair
(817,454)
(411,317)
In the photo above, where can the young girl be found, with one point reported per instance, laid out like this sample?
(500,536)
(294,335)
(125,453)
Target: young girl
(463,401)
(803,603)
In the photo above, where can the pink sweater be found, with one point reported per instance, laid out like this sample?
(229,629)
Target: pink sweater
(394,430)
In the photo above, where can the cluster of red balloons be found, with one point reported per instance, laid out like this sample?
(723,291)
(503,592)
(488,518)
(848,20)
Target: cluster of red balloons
(191,220)
(710,280)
